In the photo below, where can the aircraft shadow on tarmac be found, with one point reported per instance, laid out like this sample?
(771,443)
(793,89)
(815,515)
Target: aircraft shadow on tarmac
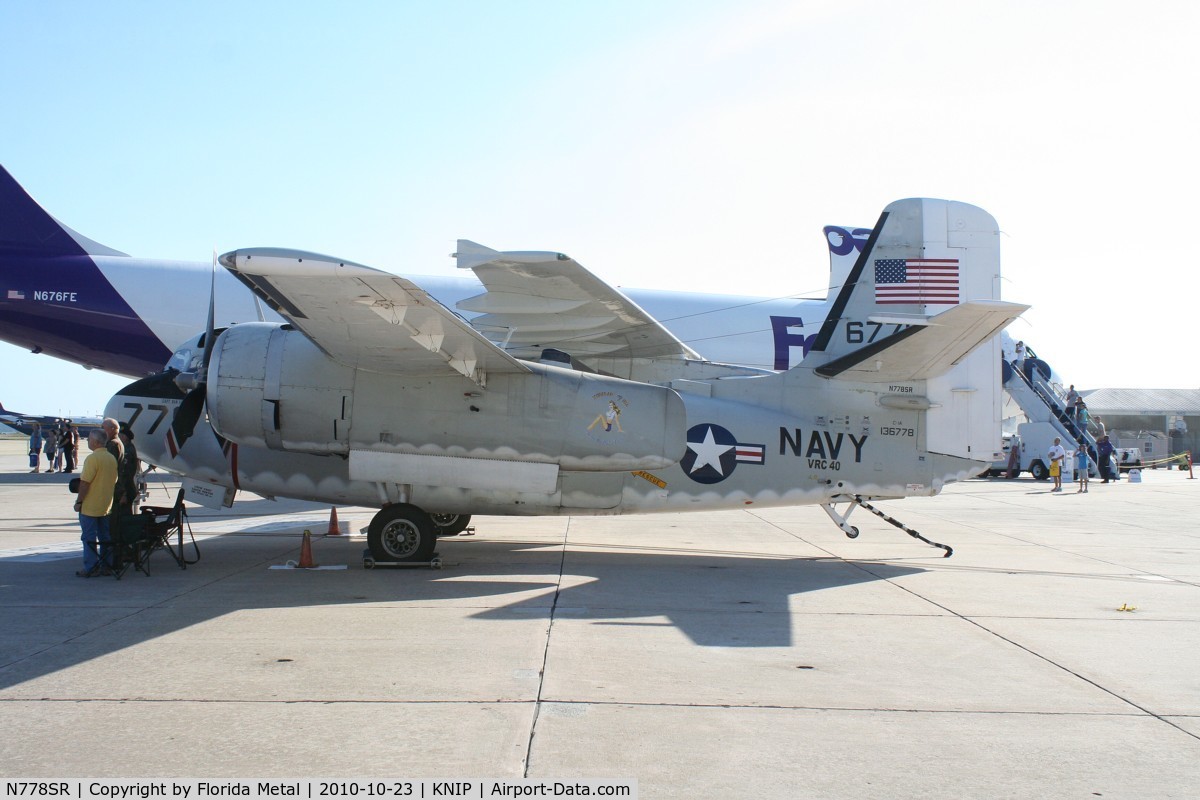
(716,600)
(54,621)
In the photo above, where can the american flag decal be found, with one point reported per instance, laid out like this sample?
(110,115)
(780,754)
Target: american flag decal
(922,281)
(16,294)
(750,453)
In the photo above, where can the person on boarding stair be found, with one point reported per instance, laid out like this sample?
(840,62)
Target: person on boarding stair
(1072,399)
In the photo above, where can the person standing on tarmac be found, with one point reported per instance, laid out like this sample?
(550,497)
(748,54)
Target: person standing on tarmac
(111,428)
(1081,467)
(60,440)
(127,470)
(35,448)
(70,446)
(96,484)
(1104,450)
(1057,456)
(50,448)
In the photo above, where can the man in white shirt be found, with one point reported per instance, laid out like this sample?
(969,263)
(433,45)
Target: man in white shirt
(1057,456)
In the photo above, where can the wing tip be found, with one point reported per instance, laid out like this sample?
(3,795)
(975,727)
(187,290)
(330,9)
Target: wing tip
(287,261)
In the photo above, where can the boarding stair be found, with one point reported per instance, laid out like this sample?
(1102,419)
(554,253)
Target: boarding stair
(1028,384)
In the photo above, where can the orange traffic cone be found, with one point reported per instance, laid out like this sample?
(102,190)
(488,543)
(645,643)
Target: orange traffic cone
(334,530)
(306,559)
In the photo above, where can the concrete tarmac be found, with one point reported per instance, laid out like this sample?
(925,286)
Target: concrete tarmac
(756,653)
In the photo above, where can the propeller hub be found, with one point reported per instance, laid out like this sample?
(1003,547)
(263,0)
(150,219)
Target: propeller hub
(187,381)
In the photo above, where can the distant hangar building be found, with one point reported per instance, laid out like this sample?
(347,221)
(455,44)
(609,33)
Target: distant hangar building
(1160,422)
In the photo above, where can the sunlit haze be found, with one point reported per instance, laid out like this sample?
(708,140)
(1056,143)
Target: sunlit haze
(674,145)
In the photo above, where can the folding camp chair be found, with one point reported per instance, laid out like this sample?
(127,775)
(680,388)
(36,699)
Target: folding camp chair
(136,537)
(130,543)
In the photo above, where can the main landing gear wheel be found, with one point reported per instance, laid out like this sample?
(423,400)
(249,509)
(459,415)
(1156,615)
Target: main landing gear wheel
(401,532)
(450,524)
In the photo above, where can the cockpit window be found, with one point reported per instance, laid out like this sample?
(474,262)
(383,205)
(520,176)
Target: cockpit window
(189,356)
(180,358)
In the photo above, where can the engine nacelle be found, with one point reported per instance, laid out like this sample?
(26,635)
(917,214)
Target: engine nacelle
(270,386)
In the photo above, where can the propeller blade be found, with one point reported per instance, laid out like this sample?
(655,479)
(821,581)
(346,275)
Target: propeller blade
(183,424)
(212,315)
(187,415)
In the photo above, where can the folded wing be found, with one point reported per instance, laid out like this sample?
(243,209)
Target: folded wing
(367,318)
(540,300)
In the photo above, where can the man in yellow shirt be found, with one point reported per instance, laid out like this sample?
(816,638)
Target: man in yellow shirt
(96,485)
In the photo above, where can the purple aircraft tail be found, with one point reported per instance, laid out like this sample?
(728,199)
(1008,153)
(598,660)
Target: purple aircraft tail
(27,230)
(56,299)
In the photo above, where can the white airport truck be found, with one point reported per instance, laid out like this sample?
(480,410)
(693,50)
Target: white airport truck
(1035,440)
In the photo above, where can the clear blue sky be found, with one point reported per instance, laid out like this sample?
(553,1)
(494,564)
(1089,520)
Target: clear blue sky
(696,144)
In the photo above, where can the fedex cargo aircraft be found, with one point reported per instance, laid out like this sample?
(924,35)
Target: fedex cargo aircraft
(65,295)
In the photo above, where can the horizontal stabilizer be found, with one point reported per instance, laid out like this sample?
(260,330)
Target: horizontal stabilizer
(925,351)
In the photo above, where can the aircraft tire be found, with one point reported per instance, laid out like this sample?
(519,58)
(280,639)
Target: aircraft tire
(401,532)
(450,524)
(1038,470)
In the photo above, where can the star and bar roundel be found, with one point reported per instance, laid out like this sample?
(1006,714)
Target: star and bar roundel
(713,453)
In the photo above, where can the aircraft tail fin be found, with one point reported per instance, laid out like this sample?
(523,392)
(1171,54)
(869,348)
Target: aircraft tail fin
(27,230)
(917,320)
(923,257)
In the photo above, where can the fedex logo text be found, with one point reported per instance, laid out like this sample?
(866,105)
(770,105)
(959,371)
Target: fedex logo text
(786,339)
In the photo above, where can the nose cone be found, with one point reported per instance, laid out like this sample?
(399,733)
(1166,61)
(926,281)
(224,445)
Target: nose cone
(147,405)
(115,406)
